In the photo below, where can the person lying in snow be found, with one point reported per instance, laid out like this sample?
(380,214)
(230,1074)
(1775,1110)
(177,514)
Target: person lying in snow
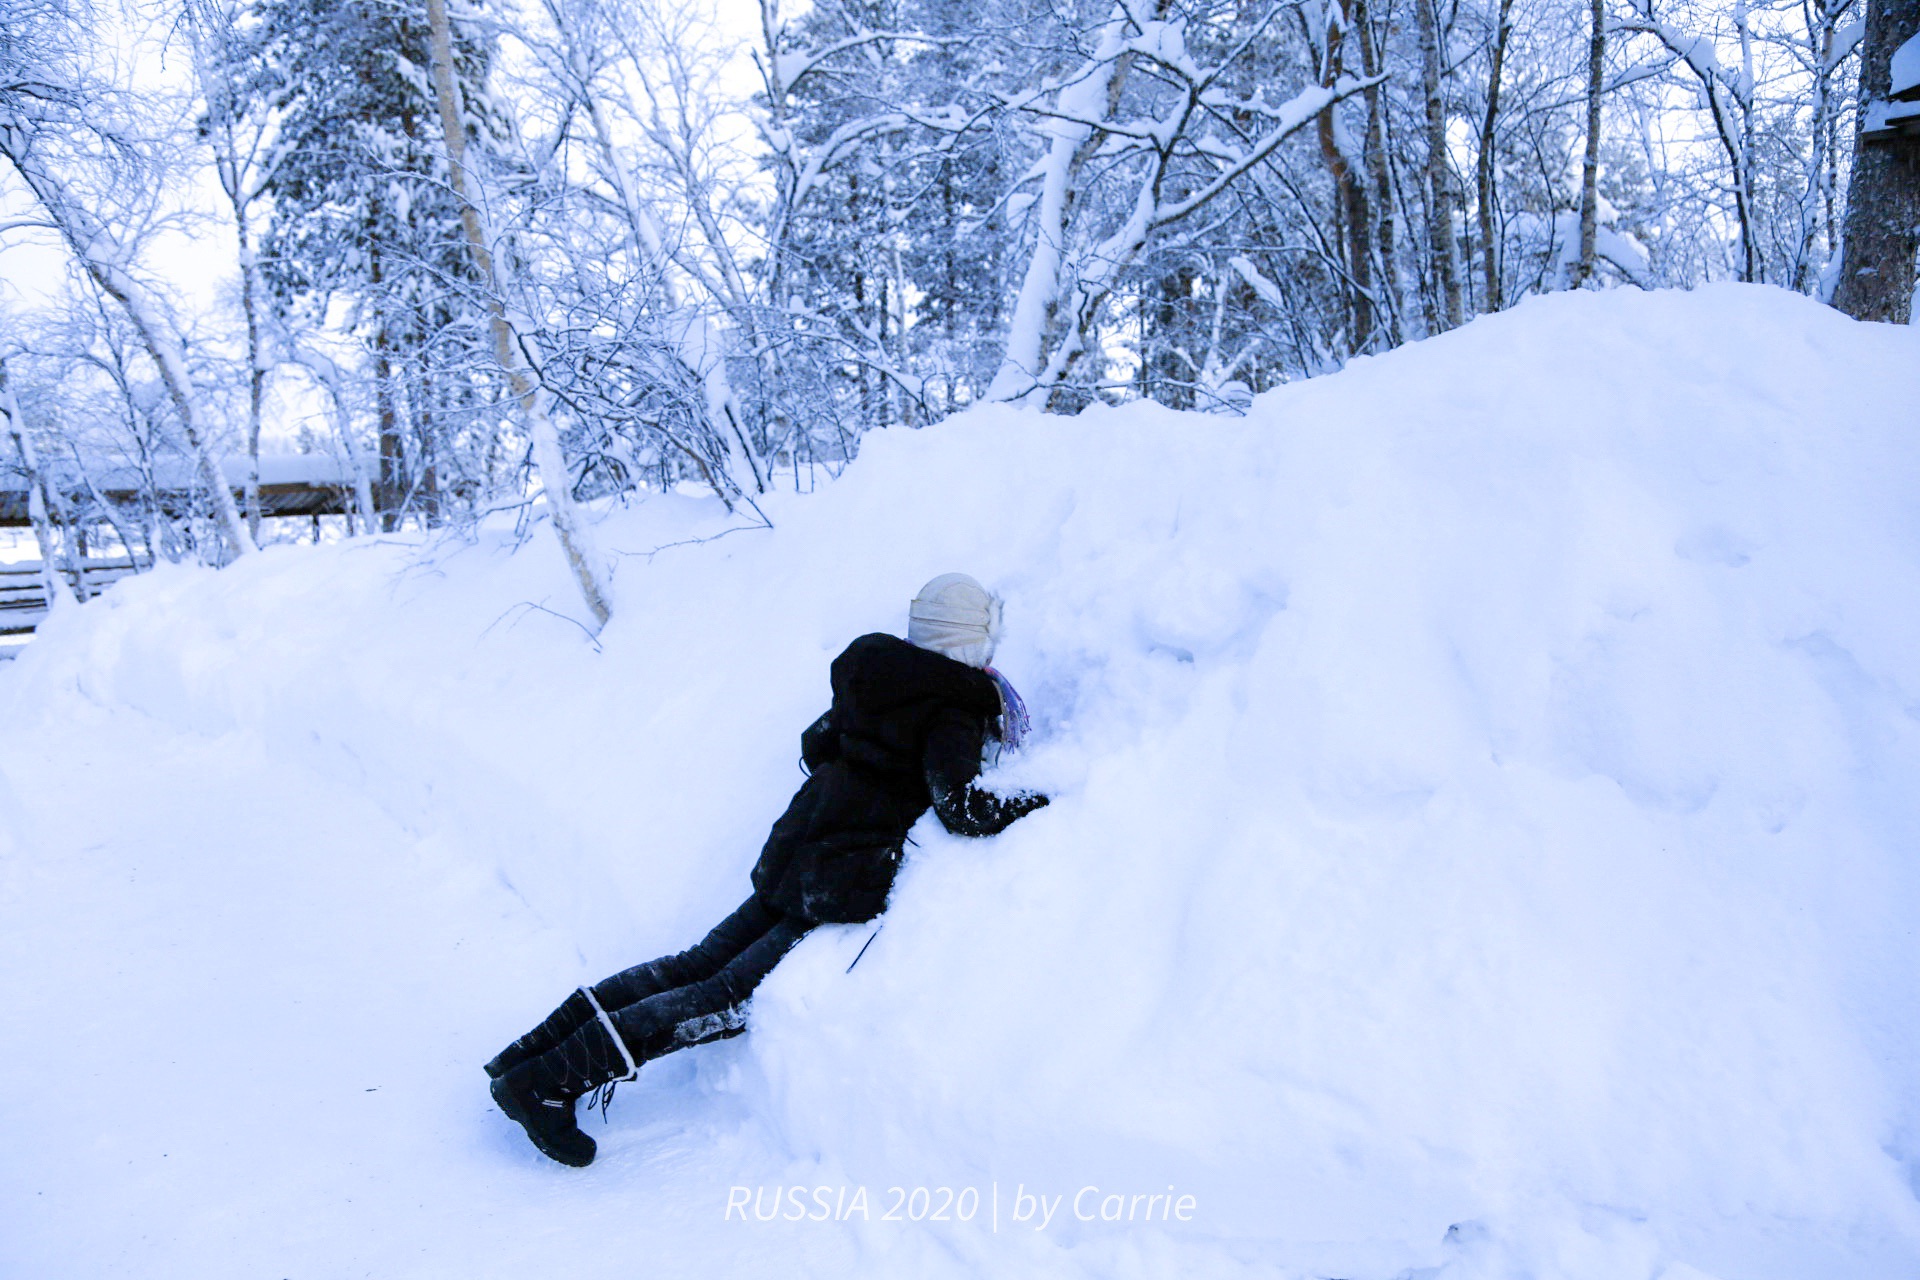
(911,724)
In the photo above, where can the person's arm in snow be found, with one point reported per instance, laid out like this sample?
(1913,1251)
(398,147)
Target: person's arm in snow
(953,762)
(820,742)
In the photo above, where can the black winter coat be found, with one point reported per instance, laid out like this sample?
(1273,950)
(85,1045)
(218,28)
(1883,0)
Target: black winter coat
(905,733)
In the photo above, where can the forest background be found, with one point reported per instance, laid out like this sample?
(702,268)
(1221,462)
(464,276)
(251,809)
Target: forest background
(579,250)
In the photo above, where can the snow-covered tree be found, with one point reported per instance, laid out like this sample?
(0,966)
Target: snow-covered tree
(93,173)
(364,229)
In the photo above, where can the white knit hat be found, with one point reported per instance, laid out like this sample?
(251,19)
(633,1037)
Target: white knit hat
(955,616)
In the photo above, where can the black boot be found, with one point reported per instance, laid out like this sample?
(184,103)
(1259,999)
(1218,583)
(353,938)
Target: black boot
(549,1121)
(539,1094)
(573,1012)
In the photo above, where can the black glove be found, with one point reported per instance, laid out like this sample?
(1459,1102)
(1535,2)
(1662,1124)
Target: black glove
(969,811)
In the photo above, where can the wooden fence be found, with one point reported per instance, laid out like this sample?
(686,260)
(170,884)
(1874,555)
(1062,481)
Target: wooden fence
(23,591)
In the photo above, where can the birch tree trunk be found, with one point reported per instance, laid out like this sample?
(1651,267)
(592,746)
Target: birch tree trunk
(324,371)
(111,512)
(210,31)
(1442,243)
(38,503)
(1813,196)
(1389,305)
(1590,163)
(547,457)
(1087,97)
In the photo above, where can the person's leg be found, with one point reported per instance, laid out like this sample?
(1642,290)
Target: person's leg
(540,1092)
(726,940)
(710,1008)
(702,960)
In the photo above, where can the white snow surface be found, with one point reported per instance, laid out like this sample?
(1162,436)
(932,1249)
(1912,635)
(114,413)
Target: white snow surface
(1483,846)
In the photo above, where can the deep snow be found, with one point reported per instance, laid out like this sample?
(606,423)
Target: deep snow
(1483,846)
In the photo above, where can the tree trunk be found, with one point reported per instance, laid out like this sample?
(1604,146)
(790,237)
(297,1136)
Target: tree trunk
(555,479)
(1353,214)
(1820,141)
(110,511)
(1489,219)
(1441,241)
(1883,197)
(1385,231)
(1590,163)
(1164,378)
(256,374)
(213,42)
(428,485)
(388,490)
(384,517)
(40,495)
(323,370)
(1043,285)
(1755,268)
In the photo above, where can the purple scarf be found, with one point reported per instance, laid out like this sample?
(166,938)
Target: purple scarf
(1013,712)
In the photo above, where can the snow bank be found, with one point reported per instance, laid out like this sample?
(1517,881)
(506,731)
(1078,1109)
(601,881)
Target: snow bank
(1482,844)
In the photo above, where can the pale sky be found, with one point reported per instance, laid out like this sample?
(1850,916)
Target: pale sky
(196,267)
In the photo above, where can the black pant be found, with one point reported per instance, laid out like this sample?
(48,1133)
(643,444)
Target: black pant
(695,995)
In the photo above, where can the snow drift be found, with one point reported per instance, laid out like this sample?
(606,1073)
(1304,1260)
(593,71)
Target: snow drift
(1482,846)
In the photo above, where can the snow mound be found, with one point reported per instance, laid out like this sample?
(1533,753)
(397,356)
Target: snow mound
(1482,846)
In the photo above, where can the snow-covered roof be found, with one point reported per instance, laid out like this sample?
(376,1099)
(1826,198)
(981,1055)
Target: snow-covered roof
(290,484)
(1906,72)
(1884,120)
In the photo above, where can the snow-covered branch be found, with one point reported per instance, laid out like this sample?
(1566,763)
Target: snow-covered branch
(110,264)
